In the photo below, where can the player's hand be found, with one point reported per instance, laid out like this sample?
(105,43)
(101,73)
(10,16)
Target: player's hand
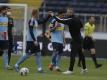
(36,43)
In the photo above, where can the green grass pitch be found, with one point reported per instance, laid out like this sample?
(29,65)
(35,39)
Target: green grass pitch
(93,73)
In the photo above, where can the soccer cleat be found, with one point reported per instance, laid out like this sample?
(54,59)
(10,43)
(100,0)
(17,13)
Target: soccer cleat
(9,68)
(50,67)
(98,65)
(58,69)
(68,72)
(83,71)
(16,67)
(40,70)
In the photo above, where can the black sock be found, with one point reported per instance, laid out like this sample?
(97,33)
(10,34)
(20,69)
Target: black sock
(94,59)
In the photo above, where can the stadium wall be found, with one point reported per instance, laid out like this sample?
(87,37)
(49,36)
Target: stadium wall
(101,47)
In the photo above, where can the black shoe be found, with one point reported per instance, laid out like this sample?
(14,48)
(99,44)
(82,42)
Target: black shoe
(98,65)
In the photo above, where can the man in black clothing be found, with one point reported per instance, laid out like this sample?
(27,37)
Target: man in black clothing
(75,26)
(10,34)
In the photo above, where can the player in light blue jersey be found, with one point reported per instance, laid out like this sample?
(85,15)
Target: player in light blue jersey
(32,43)
(57,39)
(4,36)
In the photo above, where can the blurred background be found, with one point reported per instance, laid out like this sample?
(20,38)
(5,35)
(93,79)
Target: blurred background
(82,8)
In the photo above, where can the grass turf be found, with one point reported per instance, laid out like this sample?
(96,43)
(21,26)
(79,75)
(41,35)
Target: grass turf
(93,73)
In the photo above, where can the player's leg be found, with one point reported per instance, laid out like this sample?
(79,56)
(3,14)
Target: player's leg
(79,60)
(23,57)
(54,55)
(82,58)
(4,47)
(93,52)
(58,58)
(10,48)
(36,50)
(1,52)
(38,61)
(20,61)
(93,55)
(5,58)
(72,58)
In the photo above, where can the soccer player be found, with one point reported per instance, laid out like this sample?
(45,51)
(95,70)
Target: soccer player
(75,26)
(88,43)
(4,36)
(57,39)
(10,34)
(32,43)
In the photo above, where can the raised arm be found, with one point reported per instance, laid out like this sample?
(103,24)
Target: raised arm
(31,33)
(43,20)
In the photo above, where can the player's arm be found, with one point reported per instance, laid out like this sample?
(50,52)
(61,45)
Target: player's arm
(12,22)
(64,21)
(47,34)
(31,33)
(53,26)
(64,39)
(31,25)
(43,20)
(86,30)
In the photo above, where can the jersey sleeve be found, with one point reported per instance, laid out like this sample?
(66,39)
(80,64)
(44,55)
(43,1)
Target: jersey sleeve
(86,29)
(64,21)
(31,26)
(43,20)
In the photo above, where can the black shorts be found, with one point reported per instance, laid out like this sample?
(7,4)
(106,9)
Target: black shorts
(88,43)
(57,46)
(3,44)
(31,48)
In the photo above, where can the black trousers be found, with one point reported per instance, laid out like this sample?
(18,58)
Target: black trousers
(10,49)
(76,49)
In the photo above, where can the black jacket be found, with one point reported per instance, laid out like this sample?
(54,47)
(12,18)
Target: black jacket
(74,25)
(10,26)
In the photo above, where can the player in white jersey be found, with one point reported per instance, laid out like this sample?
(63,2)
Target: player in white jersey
(32,43)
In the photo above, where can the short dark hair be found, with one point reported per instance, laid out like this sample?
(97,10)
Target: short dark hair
(90,17)
(3,7)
